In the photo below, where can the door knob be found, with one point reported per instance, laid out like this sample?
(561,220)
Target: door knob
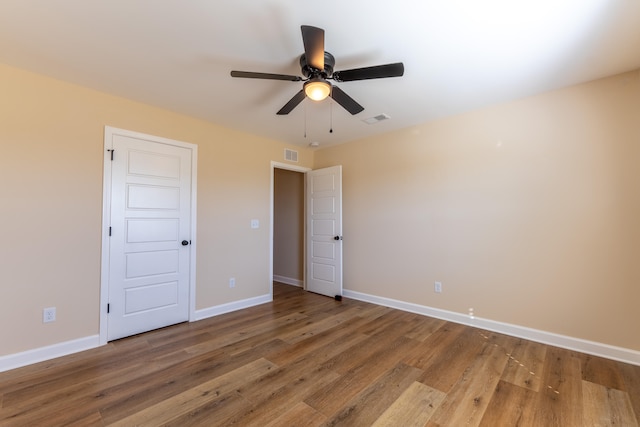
(337,238)
(185,242)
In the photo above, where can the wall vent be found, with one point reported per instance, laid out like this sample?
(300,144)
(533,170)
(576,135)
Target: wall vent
(290,155)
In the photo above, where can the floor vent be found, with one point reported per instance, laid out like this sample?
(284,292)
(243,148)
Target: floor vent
(290,155)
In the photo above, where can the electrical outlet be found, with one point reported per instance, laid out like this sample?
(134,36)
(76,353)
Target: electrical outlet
(232,282)
(49,315)
(437,287)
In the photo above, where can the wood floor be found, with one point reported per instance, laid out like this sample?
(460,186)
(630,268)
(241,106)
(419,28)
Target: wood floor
(307,360)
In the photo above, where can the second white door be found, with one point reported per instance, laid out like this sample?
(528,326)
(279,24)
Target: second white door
(324,231)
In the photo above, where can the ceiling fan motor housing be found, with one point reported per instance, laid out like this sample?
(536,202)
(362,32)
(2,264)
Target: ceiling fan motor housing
(310,72)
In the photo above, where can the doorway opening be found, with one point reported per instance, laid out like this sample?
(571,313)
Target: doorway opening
(287,224)
(322,235)
(288,227)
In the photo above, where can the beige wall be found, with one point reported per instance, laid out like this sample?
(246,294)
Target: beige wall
(528,212)
(288,224)
(51,141)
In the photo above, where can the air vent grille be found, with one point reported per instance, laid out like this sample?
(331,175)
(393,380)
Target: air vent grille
(290,155)
(376,119)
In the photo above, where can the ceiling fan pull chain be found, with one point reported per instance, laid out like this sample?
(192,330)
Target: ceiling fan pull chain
(305,119)
(331,117)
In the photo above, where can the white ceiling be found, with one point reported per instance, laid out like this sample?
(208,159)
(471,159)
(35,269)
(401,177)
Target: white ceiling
(459,55)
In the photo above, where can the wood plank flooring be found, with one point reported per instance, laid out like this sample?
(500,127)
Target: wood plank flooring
(308,360)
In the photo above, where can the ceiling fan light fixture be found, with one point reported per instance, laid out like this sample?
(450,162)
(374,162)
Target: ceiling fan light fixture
(317,89)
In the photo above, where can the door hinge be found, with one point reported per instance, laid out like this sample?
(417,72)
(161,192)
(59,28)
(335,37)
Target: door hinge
(108,308)
(111,151)
(109,231)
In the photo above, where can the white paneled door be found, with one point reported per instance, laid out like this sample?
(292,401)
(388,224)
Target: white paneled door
(324,231)
(149,242)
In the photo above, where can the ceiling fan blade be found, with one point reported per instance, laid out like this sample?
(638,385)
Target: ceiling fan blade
(267,76)
(347,102)
(375,72)
(293,103)
(313,39)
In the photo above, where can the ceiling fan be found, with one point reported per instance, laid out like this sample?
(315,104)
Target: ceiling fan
(317,68)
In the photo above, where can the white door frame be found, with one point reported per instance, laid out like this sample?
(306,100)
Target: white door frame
(301,169)
(106,219)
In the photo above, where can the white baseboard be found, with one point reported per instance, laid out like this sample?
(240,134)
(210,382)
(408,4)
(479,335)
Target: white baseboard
(287,280)
(230,306)
(29,357)
(18,360)
(584,346)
